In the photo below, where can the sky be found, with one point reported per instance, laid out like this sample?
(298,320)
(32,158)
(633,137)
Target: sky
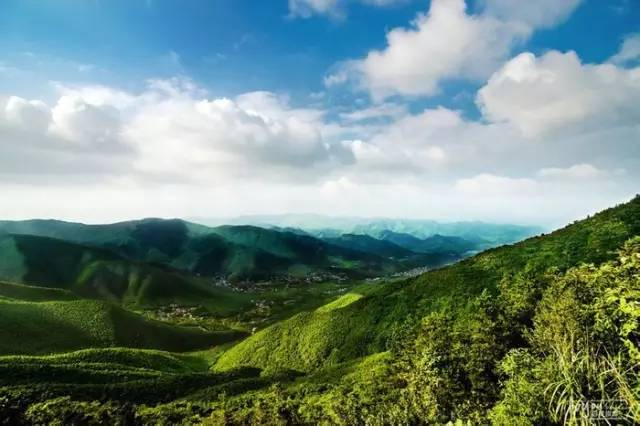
(495,110)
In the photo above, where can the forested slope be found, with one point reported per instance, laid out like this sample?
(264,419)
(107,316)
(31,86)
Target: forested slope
(371,323)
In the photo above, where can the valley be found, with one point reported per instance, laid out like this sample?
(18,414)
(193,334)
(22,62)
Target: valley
(319,212)
(93,316)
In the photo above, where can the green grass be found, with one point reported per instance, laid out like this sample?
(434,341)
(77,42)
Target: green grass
(34,294)
(146,359)
(340,302)
(50,327)
(307,341)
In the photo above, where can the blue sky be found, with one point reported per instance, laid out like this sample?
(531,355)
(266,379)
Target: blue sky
(327,73)
(237,46)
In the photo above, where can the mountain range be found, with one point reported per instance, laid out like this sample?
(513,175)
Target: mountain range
(235,252)
(132,322)
(326,226)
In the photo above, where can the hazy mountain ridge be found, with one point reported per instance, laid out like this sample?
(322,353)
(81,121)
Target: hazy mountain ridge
(326,226)
(233,251)
(245,251)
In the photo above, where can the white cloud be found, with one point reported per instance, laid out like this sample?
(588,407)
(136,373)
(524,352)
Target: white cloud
(31,115)
(341,187)
(172,149)
(339,76)
(332,8)
(382,111)
(556,92)
(539,13)
(416,60)
(70,138)
(170,130)
(411,145)
(84,123)
(248,137)
(308,8)
(577,171)
(629,50)
(488,184)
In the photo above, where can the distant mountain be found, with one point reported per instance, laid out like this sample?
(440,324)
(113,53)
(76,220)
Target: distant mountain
(434,244)
(486,234)
(368,244)
(236,252)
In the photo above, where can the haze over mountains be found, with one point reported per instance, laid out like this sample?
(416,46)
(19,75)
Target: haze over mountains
(328,226)
(244,251)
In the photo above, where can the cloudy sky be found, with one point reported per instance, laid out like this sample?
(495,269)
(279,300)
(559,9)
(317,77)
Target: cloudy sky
(497,110)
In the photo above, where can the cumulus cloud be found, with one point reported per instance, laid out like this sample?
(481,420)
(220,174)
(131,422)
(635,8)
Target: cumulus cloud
(171,130)
(26,115)
(555,132)
(250,135)
(70,137)
(416,60)
(629,50)
(411,146)
(556,92)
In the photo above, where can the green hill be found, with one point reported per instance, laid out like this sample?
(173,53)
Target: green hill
(519,334)
(98,273)
(49,327)
(433,244)
(370,323)
(33,293)
(231,251)
(368,244)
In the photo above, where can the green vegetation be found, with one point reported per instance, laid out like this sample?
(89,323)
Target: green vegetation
(366,243)
(40,328)
(331,227)
(234,252)
(525,334)
(99,274)
(34,294)
(433,244)
(372,323)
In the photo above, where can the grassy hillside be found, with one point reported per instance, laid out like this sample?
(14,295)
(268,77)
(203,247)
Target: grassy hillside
(371,323)
(98,273)
(49,327)
(33,293)
(70,271)
(45,261)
